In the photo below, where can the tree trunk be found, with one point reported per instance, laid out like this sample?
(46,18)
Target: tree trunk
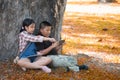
(13,12)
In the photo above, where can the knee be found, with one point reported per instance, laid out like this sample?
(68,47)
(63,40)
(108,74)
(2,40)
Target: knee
(20,62)
(48,59)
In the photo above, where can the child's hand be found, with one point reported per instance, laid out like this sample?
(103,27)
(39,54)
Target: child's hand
(49,39)
(52,40)
(55,44)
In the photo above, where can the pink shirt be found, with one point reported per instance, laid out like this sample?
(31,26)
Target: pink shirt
(24,37)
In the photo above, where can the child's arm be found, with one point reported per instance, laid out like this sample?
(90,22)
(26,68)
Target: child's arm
(47,50)
(61,42)
(33,38)
(49,39)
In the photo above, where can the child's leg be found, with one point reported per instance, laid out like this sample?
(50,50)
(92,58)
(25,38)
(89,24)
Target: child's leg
(35,65)
(25,62)
(74,68)
(43,61)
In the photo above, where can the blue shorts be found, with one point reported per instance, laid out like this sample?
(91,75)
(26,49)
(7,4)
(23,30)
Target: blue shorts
(29,50)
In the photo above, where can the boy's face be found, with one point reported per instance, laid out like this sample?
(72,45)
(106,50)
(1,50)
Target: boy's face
(46,31)
(30,28)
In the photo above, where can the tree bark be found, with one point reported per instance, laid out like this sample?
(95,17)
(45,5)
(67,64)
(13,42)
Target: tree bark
(13,12)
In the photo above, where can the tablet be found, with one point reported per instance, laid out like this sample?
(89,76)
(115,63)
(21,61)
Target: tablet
(61,42)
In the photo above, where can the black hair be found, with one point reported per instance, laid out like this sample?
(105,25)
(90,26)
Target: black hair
(44,24)
(26,22)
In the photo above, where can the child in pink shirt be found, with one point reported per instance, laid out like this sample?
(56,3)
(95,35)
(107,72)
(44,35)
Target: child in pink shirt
(26,37)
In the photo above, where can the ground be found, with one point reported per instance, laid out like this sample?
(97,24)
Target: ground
(91,33)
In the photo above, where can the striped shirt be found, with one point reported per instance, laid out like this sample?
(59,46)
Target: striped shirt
(25,37)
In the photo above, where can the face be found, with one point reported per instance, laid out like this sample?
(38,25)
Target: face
(30,28)
(46,31)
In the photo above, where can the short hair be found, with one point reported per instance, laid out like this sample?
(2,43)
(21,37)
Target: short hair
(44,24)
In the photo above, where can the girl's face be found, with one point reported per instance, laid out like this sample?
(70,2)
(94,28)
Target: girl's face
(46,31)
(30,28)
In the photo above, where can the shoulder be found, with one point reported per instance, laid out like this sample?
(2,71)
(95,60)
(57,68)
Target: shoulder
(21,33)
(24,33)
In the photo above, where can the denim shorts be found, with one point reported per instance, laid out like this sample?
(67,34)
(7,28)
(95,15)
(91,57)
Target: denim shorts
(29,51)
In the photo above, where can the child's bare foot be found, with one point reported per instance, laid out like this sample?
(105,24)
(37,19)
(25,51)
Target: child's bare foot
(46,69)
(23,68)
(16,60)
